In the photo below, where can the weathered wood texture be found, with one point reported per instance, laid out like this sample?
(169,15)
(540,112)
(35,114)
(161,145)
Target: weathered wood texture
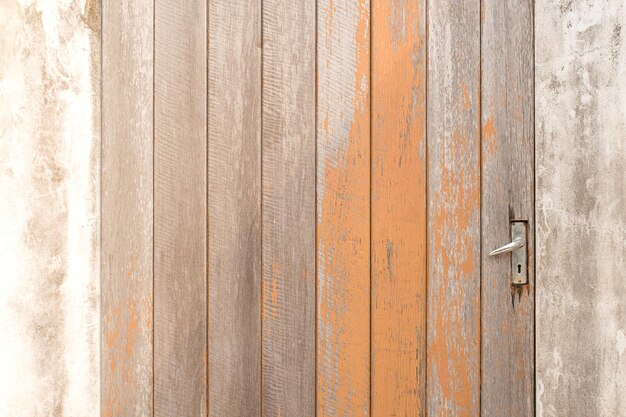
(453,350)
(581,221)
(507,194)
(343,208)
(126,208)
(49,204)
(288,208)
(234,208)
(398,208)
(180,213)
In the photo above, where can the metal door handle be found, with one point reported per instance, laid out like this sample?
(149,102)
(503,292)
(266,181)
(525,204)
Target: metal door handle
(518,242)
(519,253)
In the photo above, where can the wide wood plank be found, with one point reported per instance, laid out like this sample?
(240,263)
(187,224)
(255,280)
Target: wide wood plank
(581,196)
(127,204)
(234,208)
(180,215)
(398,208)
(288,208)
(343,208)
(453,364)
(507,194)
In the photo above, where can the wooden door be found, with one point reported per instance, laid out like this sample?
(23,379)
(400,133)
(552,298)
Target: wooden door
(299,199)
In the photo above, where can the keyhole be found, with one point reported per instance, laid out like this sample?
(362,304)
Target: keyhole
(519,268)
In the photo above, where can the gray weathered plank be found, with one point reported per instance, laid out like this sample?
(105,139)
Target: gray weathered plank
(288,208)
(49,205)
(453,350)
(398,206)
(343,208)
(127,153)
(180,214)
(507,194)
(234,208)
(581,220)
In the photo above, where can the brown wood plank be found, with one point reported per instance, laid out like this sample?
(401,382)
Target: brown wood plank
(453,364)
(507,194)
(180,216)
(288,208)
(234,208)
(398,208)
(126,207)
(343,208)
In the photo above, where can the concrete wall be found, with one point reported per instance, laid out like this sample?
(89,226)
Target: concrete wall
(49,188)
(581,207)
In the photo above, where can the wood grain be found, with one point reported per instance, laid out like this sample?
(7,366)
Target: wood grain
(343,208)
(180,214)
(398,257)
(288,208)
(234,208)
(581,220)
(453,350)
(127,205)
(507,194)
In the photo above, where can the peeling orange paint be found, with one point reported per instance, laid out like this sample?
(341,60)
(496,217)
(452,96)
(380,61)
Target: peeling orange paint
(454,187)
(489,135)
(398,209)
(343,225)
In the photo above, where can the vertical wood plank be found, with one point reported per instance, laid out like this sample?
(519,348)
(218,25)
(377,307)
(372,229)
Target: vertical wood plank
(49,208)
(288,208)
(180,215)
(398,208)
(234,208)
(127,204)
(507,194)
(453,209)
(581,200)
(343,208)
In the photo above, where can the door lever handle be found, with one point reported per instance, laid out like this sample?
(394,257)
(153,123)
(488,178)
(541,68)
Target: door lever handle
(517,243)
(519,253)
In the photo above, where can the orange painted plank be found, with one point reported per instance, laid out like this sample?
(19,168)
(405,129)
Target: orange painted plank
(398,208)
(343,208)
(453,350)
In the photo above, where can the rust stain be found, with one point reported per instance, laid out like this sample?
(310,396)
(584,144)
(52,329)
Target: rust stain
(398,209)
(343,244)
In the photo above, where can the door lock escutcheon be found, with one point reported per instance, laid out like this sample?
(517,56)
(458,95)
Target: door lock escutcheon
(519,253)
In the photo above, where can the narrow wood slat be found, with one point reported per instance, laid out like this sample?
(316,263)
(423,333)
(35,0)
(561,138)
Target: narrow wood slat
(507,193)
(453,350)
(180,217)
(288,208)
(126,208)
(234,208)
(343,208)
(398,208)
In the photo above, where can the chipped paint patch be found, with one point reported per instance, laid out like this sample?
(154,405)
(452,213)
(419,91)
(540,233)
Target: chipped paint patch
(343,210)
(49,228)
